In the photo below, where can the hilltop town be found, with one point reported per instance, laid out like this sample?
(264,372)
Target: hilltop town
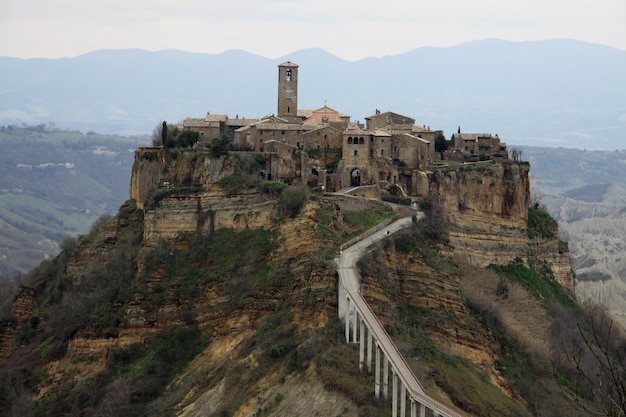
(324,148)
(210,293)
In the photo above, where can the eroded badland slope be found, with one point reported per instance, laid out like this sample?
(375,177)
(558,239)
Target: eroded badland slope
(214,294)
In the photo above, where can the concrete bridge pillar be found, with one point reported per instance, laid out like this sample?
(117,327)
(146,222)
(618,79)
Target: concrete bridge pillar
(362,345)
(394,394)
(402,399)
(377,372)
(369,350)
(347,319)
(385,377)
(341,301)
(355,319)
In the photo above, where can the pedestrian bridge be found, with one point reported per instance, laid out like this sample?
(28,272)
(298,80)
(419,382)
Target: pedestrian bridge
(376,349)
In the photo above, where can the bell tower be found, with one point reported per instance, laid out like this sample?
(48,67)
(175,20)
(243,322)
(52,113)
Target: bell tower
(288,91)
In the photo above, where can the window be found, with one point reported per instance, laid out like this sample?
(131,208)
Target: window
(382,152)
(350,140)
(361,141)
(356,152)
(325,137)
(288,75)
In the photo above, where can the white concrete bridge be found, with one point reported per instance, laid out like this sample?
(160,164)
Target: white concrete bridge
(375,345)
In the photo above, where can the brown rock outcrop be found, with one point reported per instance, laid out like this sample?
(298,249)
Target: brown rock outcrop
(486,205)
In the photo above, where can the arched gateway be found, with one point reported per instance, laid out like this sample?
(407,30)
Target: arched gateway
(355,177)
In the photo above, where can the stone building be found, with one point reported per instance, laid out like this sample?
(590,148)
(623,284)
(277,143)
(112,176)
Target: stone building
(215,126)
(478,146)
(324,148)
(288,92)
(326,116)
(212,126)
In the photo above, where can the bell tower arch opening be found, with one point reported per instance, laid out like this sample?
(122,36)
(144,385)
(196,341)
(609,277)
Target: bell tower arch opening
(288,91)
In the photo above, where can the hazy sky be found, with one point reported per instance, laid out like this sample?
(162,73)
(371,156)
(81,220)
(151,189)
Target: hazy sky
(273,28)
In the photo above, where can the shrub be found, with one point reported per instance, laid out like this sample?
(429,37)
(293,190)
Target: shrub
(272,188)
(237,182)
(540,287)
(188,138)
(292,199)
(220,147)
(540,223)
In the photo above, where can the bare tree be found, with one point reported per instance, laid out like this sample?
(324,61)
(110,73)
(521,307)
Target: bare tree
(157,135)
(598,359)
(516,154)
(116,402)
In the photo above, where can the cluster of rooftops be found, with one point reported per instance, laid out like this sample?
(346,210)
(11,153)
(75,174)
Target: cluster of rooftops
(388,147)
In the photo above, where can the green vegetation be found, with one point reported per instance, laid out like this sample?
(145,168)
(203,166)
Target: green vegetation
(220,147)
(247,175)
(276,338)
(365,220)
(541,287)
(235,258)
(540,223)
(425,236)
(135,380)
(468,386)
(337,366)
(158,194)
(150,367)
(272,188)
(441,144)
(292,199)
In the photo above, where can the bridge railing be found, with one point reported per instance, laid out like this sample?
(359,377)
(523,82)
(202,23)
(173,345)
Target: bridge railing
(399,365)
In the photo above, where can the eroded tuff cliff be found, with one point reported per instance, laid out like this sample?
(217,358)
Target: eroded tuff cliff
(487,205)
(268,308)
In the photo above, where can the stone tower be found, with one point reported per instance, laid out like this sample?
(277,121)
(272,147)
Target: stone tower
(288,91)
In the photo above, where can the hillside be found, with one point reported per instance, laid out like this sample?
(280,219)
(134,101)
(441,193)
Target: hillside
(217,302)
(55,184)
(586,192)
(546,93)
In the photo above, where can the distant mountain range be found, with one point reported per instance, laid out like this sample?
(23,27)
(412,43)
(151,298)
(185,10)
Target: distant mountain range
(546,93)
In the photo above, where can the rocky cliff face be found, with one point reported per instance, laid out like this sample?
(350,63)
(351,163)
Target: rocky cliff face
(254,317)
(487,207)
